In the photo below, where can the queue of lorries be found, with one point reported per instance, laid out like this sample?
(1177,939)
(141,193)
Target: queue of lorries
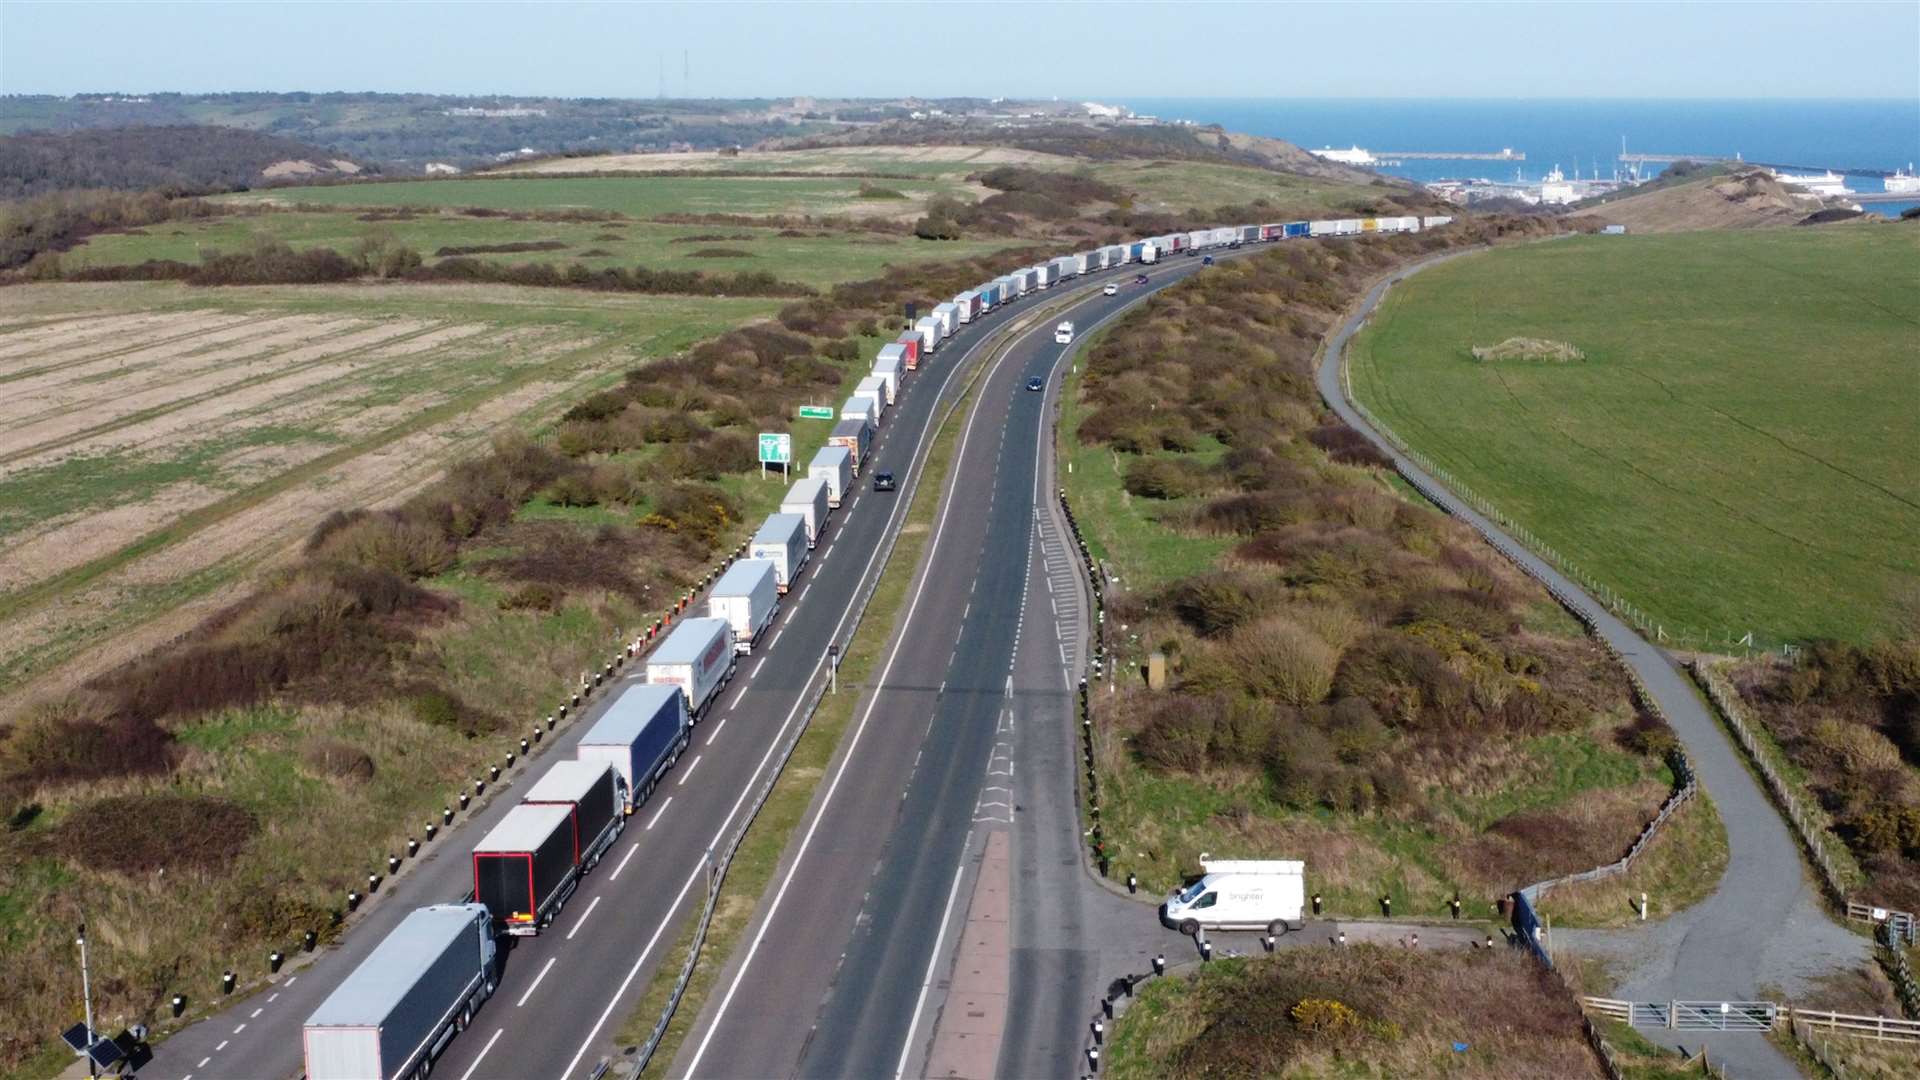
(396,1012)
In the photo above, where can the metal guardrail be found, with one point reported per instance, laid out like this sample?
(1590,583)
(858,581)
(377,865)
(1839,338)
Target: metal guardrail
(1749,1016)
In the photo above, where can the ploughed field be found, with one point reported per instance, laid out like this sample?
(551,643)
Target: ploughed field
(157,443)
(1738,450)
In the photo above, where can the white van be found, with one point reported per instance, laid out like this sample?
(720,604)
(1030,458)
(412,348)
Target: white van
(1240,894)
(1063,334)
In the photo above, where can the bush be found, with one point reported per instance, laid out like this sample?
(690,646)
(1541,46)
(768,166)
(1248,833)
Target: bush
(435,707)
(1282,661)
(1161,478)
(533,596)
(390,542)
(338,760)
(138,834)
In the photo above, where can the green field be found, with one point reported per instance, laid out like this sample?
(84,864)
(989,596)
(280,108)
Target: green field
(817,258)
(629,195)
(1739,449)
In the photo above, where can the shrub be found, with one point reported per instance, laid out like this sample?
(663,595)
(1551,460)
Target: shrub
(1321,1016)
(533,596)
(1214,604)
(338,760)
(137,834)
(1161,478)
(1281,660)
(436,707)
(390,542)
(572,489)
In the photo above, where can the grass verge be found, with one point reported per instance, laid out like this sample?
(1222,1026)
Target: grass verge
(1680,868)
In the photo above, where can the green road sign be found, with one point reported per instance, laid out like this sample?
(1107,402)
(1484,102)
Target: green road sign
(775,448)
(815,412)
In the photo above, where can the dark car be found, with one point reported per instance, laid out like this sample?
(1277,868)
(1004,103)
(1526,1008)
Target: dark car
(1208,261)
(1036,383)
(1140,279)
(883,481)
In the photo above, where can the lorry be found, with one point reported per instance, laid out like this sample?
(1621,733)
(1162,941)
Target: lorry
(968,305)
(887,367)
(949,316)
(747,596)
(1434,222)
(782,540)
(596,794)
(856,435)
(930,334)
(861,406)
(640,735)
(397,1011)
(1240,894)
(808,498)
(1298,229)
(524,870)
(834,465)
(697,657)
(909,342)
(1064,267)
(875,387)
(1249,233)
(1044,275)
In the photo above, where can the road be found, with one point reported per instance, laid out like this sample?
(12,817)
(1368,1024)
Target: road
(1765,925)
(843,973)
(563,994)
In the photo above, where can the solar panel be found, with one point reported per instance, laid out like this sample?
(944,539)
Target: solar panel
(105,1052)
(77,1037)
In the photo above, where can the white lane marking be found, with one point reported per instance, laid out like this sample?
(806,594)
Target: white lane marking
(933,962)
(271,996)
(255,1014)
(939,533)
(537,979)
(825,555)
(222,1046)
(628,857)
(291,979)
(716,730)
(468,1075)
(689,772)
(776,636)
(240,1029)
(582,921)
(203,1062)
(756,667)
(699,871)
(656,816)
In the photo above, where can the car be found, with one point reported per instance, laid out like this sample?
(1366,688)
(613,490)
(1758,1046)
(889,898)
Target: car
(1063,334)
(883,481)
(1208,261)
(1111,289)
(1036,383)
(1140,279)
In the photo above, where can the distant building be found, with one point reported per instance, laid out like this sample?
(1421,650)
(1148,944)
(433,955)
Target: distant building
(1351,156)
(1555,190)
(1098,111)
(510,112)
(441,168)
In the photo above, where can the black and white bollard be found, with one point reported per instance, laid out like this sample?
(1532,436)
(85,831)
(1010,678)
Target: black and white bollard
(1268,942)
(1643,907)
(446,814)
(353,899)
(275,959)
(1341,940)
(1316,903)
(179,1004)
(1386,906)
(1206,950)
(464,799)
(227,982)
(525,746)
(413,846)
(373,884)
(393,864)
(1455,903)
(479,785)
(430,830)
(1160,964)
(493,772)
(309,940)
(536,735)
(1093,1058)
(1099,1032)
(549,721)
(1133,883)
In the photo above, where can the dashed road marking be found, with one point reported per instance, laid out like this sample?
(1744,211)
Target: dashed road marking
(657,813)
(615,876)
(536,984)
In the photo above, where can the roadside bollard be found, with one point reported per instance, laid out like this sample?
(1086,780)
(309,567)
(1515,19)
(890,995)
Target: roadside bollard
(446,814)
(1160,964)
(1099,1030)
(576,701)
(1268,941)
(274,960)
(353,899)
(393,864)
(1341,940)
(413,846)
(1316,903)
(1206,951)
(1455,902)
(509,759)
(525,746)
(431,829)
(536,735)
(562,710)
(179,1004)
(1133,883)
(464,799)
(373,883)
(479,785)
(1386,906)
(1093,1058)
(227,981)
(1489,941)
(549,721)
(1643,907)
(309,940)
(493,772)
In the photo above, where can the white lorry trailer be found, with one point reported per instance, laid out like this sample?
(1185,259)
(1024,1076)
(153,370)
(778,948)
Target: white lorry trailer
(748,597)
(1240,894)
(929,330)
(862,407)
(808,498)
(833,464)
(697,657)
(887,368)
(782,540)
(875,387)
(949,316)
(640,735)
(406,1001)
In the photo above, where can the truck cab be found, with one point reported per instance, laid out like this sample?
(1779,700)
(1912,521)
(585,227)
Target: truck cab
(1240,894)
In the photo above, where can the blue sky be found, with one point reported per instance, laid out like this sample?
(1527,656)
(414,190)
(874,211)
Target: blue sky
(981,47)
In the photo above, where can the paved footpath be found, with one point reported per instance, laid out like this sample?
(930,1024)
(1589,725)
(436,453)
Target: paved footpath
(1766,925)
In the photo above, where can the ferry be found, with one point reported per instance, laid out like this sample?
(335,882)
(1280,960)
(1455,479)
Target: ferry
(1826,184)
(1903,182)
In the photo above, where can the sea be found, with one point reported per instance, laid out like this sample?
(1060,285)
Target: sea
(1580,136)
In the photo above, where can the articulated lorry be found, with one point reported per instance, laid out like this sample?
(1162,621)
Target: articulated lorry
(697,657)
(782,540)
(834,465)
(747,596)
(395,1013)
(526,868)
(640,735)
(808,498)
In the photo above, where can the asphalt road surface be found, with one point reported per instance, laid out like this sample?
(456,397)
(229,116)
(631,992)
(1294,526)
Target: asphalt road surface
(563,994)
(845,959)
(1765,924)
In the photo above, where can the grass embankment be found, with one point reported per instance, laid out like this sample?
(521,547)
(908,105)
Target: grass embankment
(1359,1011)
(1736,453)
(280,749)
(759,856)
(1355,679)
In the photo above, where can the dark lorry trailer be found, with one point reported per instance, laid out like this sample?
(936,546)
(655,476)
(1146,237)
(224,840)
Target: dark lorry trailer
(396,1012)
(525,869)
(596,792)
(641,735)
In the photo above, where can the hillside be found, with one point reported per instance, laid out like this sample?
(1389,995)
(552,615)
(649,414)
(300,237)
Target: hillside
(1746,199)
(174,160)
